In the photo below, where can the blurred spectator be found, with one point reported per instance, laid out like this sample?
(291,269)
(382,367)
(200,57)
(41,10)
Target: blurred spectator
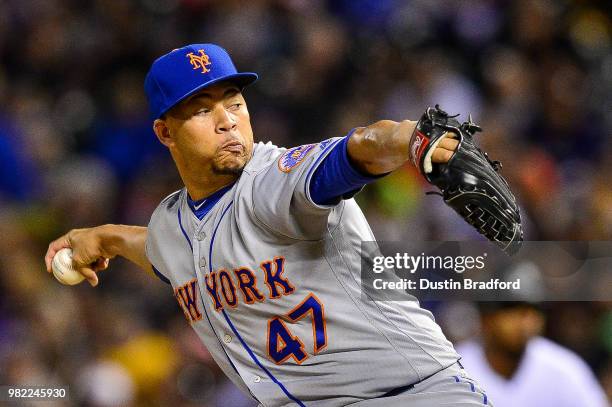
(18,179)
(518,367)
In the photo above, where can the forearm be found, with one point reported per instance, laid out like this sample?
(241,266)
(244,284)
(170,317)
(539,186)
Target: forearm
(126,241)
(381,147)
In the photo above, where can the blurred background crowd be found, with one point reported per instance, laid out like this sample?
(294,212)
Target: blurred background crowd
(77,150)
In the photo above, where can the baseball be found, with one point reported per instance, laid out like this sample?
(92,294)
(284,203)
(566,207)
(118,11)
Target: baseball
(63,270)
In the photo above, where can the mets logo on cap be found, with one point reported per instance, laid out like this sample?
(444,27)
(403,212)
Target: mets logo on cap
(293,157)
(199,61)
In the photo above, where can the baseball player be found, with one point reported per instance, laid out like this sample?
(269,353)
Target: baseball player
(262,250)
(521,368)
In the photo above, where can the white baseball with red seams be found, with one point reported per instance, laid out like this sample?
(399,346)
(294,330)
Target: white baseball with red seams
(63,269)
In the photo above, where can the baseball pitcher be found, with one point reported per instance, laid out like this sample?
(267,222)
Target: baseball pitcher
(262,245)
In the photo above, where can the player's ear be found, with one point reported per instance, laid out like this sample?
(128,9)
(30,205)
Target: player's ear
(160,127)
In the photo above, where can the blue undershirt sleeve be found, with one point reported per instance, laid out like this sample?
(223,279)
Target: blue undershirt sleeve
(336,178)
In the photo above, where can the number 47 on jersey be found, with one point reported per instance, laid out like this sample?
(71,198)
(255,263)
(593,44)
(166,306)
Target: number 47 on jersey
(282,344)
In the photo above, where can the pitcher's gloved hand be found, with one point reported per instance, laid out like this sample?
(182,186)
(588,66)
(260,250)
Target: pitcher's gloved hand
(469,182)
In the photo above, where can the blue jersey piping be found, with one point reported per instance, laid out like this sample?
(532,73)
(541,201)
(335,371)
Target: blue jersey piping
(229,322)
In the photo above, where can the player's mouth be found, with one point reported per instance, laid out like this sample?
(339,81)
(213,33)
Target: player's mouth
(233,146)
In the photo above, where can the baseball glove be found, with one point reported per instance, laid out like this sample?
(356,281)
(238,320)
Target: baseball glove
(469,182)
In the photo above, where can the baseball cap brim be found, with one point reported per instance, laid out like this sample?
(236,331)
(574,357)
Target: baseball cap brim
(241,79)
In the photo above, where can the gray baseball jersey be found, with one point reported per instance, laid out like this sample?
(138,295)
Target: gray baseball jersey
(270,281)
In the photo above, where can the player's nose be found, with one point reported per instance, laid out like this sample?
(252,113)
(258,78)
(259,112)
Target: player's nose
(224,121)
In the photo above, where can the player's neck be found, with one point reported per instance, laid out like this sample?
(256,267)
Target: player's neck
(503,362)
(202,188)
(201,181)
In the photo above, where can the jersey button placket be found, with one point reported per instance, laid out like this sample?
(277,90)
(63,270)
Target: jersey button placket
(227,338)
(200,236)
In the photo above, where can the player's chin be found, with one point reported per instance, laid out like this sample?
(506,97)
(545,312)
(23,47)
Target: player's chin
(230,164)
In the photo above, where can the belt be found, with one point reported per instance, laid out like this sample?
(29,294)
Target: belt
(399,390)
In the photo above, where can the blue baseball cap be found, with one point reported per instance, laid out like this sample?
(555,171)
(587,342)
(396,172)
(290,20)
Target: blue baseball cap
(185,71)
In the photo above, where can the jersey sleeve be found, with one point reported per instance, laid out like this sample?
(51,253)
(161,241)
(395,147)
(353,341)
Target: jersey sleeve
(281,193)
(337,178)
(152,242)
(150,256)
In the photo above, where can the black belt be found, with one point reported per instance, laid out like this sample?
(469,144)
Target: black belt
(402,389)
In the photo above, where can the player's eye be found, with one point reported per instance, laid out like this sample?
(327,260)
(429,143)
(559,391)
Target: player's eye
(235,106)
(202,112)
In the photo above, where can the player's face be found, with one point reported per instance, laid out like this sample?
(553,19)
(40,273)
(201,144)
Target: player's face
(511,329)
(213,128)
